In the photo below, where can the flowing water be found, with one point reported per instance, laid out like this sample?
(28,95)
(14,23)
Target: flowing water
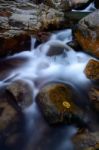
(38,68)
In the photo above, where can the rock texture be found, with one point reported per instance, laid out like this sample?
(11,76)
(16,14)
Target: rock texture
(57,104)
(86,141)
(87,33)
(9,112)
(21,19)
(22,92)
(92,70)
(94,97)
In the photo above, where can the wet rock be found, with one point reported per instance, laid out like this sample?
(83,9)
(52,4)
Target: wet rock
(94,97)
(56,48)
(86,141)
(57,104)
(22,92)
(92,69)
(9,112)
(87,33)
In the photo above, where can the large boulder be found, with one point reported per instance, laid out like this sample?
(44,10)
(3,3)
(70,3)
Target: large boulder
(22,92)
(57,104)
(87,33)
(86,141)
(92,69)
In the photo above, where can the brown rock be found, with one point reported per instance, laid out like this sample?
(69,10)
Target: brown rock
(8,111)
(87,33)
(92,70)
(94,98)
(86,141)
(22,92)
(57,105)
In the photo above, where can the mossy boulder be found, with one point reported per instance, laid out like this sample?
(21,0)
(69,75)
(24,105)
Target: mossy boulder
(92,69)
(57,104)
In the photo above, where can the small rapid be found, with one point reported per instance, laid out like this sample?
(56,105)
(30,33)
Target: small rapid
(40,68)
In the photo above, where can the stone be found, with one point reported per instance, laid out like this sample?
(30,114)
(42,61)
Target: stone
(9,112)
(66,4)
(21,19)
(87,33)
(94,97)
(92,69)
(57,48)
(86,141)
(22,91)
(57,105)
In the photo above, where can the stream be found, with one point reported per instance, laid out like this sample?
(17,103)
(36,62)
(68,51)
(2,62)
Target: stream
(39,66)
(39,69)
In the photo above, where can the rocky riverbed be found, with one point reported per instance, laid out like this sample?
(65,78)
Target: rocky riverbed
(49,75)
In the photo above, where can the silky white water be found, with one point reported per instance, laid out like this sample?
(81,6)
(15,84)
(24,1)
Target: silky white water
(39,68)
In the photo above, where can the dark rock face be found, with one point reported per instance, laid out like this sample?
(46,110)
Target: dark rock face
(94,98)
(22,92)
(87,33)
(86,141)
(96,3)
(57,105)
(92,70)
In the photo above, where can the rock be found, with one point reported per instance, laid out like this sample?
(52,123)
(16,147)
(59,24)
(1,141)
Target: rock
(22,91)
(57,48)
(87,33)
(94,97)
(86,141)
(9,112)
(12,41)
(21,19)
(66,4)
(92,69)
(96,3)
(57,104)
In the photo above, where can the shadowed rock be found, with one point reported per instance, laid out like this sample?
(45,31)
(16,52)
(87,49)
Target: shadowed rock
(22,92)
(86,141)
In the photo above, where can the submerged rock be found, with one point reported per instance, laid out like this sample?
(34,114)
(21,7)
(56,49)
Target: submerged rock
(92,69)
(94,98)
(87,33)
(22,92)
(86,141)
(57,104)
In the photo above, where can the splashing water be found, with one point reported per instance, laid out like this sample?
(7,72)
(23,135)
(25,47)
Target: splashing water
(40,69)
